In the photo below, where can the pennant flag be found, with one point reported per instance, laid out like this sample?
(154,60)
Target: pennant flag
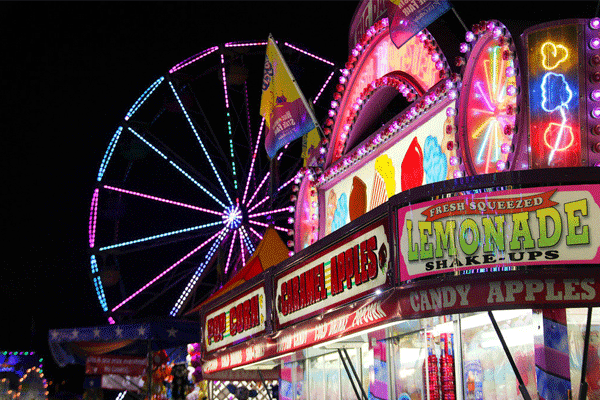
(287,113)
(409,17)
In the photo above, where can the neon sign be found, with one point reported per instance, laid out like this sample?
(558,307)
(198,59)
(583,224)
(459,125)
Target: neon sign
(554,125)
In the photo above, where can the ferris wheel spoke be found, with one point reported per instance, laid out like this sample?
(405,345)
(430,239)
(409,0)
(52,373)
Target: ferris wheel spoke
(162,200)
(262,214)
(320,92)
(316,57)
(219,236)
(166,271)
(160,236)
(231,245)
(249,245)
(257,190)
(254,207)
(229,130)
(208,158)
(176,166)
(279,228)
(253,160)
(258,235)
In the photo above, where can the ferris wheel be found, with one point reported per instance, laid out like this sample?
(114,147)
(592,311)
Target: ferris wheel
(185,190)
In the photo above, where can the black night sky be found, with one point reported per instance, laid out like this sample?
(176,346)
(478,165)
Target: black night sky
(71,70)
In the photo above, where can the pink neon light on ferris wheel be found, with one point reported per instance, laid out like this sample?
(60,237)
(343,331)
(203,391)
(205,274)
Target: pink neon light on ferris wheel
(309,54)
(259,203)
(93,218)
(262,123)
(257,190)
(258,235)
(230,251)
(245,44)
(193,59)
(279,228)
(160,199)
(323,87)
(262,214)
(166,271)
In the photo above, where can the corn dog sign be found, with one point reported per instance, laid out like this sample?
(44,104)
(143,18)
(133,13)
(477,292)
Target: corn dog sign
(534,226)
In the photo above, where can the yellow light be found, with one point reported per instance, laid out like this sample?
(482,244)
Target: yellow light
(553,55)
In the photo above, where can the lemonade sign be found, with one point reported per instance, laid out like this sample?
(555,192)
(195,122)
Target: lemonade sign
(535,226)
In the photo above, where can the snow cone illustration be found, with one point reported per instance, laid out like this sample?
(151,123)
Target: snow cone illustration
(384,183)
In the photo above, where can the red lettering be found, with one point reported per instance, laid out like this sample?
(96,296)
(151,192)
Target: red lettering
(372,256)
(341,268)
(255,316)
(232,322)
(302,291)
(364,274)
(334,280)
(310,286)
(350,257)
(323,287)
(296,301)
(282,302)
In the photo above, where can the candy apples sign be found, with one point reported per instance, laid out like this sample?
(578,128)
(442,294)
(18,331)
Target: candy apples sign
(352,269)
(535,226)
(237,320)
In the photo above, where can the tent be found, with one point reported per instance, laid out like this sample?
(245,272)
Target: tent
(74,345)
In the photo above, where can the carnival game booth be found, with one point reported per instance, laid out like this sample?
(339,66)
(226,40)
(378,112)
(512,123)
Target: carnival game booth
(134,358)
(451,250)
(22,376)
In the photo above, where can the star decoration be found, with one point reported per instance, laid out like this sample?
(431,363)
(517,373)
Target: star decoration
(75,333)
(96,333)
(172,332)
(119,331)
(141,331)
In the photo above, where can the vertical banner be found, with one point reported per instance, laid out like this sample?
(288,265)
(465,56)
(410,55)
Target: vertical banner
(554,69)
(286,111)
(408,17)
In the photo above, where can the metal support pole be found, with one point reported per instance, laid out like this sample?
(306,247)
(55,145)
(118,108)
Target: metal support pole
(522,386)
(358,380)
(583,387)
(264,384)
(349,376)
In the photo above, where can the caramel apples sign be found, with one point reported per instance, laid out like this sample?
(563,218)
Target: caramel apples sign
(350,270)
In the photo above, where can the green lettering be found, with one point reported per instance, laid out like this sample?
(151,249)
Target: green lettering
(493,230)
(573,221)
(521,230)
(469,225)
(426,247)
(413,249)
(444,238)
(542,215)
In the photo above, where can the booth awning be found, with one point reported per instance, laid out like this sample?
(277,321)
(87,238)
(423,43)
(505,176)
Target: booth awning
(74,345)
(269,252)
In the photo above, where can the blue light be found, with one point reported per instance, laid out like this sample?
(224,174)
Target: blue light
(109,152)
(232,217)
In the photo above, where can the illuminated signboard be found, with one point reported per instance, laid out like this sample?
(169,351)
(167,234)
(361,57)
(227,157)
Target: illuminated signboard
(235,321)
(554,66)
(422,156)
(379,58)
(354,268)
(536,226)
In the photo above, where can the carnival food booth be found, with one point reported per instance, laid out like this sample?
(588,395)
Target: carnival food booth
(450,251)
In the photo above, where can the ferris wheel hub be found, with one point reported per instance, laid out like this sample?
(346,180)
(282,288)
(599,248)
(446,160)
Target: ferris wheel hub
(232,217)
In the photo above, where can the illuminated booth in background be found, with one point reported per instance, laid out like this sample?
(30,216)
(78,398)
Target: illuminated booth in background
(449,251)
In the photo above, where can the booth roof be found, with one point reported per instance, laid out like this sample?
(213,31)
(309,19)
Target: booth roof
(269,252)
(74,345)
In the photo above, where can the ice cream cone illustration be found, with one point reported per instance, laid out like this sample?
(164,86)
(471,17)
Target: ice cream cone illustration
(384,183)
